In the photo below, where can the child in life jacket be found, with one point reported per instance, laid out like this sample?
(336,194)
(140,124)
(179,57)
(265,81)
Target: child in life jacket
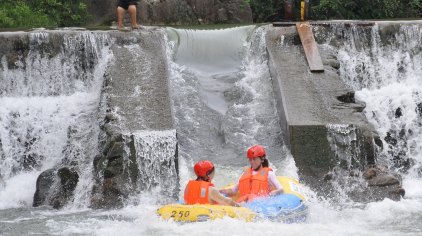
(201,190)
(258,180)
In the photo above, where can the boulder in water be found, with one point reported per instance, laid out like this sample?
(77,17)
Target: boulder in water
(382,184)
(55,187)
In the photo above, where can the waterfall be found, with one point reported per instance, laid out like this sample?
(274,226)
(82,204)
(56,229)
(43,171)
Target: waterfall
(385,69)
(349,162)
(156,161)
(49,98)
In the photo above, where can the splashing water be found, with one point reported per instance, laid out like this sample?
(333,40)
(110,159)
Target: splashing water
(196,142)
(48,109)
(390,83)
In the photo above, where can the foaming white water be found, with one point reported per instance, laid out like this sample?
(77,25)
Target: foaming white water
(46,122)
(18,191)
(387,77)
(390,83)
(48,113)
(222,133)
(381,218)
(157,149)
(42,74)
(366,62)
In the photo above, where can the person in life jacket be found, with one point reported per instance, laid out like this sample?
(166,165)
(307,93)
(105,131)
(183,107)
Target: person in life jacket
(201,190)
(258,180)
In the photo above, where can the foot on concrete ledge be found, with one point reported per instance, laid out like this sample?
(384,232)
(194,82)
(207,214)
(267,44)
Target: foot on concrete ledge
(123,29)
(137,27)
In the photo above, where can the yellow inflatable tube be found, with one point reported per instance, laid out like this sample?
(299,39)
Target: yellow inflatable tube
(203,212)
(291,185)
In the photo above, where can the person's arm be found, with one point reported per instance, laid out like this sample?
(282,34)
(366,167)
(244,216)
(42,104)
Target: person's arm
(214,195)
(229,191)
(278,189)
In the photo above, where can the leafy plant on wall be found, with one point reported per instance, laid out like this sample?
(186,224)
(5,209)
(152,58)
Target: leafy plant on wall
(42,13)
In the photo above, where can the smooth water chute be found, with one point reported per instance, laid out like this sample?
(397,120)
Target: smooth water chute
(210,51)
(246,113)
(213,57)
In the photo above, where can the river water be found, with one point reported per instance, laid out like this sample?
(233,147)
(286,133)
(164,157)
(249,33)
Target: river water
(223,102)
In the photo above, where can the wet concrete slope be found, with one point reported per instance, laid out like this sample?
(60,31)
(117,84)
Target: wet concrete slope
(140,139)
(310,103)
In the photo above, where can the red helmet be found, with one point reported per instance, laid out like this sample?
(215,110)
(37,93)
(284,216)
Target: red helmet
(203,168)
(256,151)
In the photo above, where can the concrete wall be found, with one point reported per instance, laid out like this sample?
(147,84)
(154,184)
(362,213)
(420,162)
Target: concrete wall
(308,102)
(137,107)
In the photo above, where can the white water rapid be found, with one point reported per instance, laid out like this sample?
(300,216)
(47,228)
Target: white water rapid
(223,102)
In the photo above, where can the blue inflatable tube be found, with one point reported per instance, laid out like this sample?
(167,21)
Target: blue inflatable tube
(287,208)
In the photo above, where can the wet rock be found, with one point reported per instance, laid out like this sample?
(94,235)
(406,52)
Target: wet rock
(370,173)
(397,140)
(111,186)
(384,180)
(379,193)
(328,176)
(419,171)
(44,186)
(396,194)
(114,167)
(68,179)
(97,162)
(108,196)
(333,63)
(378,142)
(349,97)
(381,183)
(398,112)
(55,187)
(389,139)
(110,117)
(116,150)
(30,159)
(419,109)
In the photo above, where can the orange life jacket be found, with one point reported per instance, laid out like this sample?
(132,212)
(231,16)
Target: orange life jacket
(196,192)
(251,186)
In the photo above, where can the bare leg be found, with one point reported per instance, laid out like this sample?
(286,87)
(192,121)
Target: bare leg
(132,13)
(120,12)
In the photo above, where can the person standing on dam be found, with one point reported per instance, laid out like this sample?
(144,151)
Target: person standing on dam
(130,6)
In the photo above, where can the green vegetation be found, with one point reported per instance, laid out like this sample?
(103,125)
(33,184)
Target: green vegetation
(265,10)
(65,13)
(42,13)
(367,9)
(271,10)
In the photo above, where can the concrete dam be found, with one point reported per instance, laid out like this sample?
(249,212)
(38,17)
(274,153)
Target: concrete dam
(96,118)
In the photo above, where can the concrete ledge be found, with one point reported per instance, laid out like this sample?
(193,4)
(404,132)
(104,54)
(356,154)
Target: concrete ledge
(309,103)
(343,22)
